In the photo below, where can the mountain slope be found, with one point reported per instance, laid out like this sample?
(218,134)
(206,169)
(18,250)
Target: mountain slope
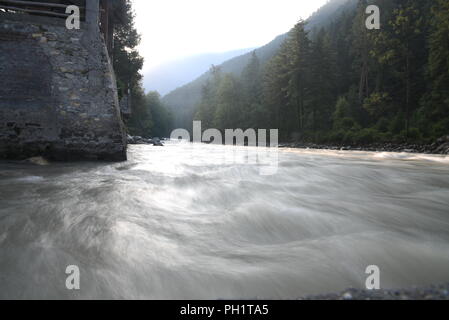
(169,76)
(183,101)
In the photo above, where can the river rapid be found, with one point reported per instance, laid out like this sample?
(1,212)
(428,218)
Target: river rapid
(189,222)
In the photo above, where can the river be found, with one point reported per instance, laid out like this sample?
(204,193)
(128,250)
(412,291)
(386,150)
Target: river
(183,222)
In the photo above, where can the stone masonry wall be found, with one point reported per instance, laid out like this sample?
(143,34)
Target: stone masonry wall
(58,96)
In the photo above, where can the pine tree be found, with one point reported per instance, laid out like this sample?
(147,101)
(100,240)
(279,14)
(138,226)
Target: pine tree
(141,121)
(299,56)
(322,82)
(206,110)
(162,118)
(361,46)
(399,50)
(275,84)
(346,83)
(228,114)
(252,86)
(127,61)
(438,67)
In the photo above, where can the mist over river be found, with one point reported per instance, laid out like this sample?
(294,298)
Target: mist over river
(185,222)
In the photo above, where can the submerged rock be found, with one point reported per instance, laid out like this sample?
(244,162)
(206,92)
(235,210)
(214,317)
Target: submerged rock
(139,140)
(157,142)
(40,161)
(130,139)
(443,149)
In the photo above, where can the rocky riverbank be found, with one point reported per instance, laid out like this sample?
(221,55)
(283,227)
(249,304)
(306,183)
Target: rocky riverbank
(434,292)
(441,146)
(139,140)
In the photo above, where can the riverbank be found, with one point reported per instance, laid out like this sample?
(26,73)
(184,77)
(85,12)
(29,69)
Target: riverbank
(434,292)
(139,140)
(441,146)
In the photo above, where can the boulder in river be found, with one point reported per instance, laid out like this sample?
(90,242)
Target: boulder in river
(40,161)
(443,140)
(157,142)
(130,139)
(444,148)
(139,140)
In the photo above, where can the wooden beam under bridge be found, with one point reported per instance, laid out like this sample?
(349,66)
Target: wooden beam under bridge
(98,14)
(36,7)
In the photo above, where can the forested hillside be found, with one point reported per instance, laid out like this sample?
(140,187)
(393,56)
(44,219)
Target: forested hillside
(183,101)
(168,76)
(149,116)
(343,83)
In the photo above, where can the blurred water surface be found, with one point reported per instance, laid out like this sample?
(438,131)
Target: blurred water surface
(180,222)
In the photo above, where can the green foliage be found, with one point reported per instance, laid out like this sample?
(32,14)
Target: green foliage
(342,120)
(141,121)
(161,116)
(382,125)
(345,83)
(440,128)
(397,124)
(437,101)
(184,101)
(414,135)
(149,118)
(366,136)
(126,59)
(228,111)
(377,104)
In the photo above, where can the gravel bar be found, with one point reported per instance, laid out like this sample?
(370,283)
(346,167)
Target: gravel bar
(433,292)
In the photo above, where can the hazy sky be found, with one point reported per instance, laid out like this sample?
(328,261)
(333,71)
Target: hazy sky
(172,29)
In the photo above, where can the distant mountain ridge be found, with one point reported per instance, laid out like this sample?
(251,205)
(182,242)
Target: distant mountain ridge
(183,101)
(169,76)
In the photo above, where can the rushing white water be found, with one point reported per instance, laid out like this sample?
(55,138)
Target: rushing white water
(177,222)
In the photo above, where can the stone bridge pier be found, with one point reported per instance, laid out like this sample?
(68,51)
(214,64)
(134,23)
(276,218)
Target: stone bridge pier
(58,95)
